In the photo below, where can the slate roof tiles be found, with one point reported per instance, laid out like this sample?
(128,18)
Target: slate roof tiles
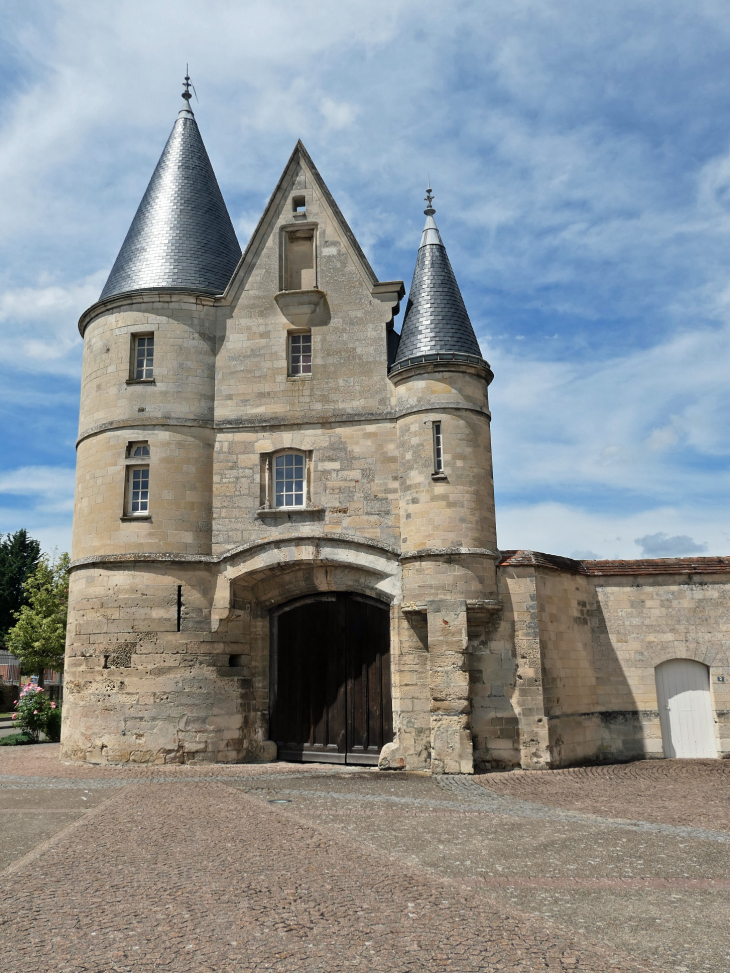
(181,236)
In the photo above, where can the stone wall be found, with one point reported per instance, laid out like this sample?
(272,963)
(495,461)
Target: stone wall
(567,674)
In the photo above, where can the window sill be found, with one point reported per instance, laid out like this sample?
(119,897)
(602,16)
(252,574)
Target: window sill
(280,511)
(299,378)
(141,381)
(439,476)
(130,517)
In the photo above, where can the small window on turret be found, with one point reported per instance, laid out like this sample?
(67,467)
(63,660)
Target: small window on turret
(137,480)
(143,357)
(438,449)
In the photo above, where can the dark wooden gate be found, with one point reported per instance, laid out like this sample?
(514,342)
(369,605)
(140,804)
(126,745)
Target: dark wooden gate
(330,679)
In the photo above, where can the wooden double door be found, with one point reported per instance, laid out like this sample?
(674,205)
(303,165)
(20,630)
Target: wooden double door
(330,679)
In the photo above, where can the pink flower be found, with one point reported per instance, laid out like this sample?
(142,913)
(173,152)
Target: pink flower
(53,705)
(39,689)
(15,702)
(15,716)
(35,712)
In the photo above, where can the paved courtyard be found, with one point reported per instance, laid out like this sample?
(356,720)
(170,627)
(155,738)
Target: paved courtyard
(287,867)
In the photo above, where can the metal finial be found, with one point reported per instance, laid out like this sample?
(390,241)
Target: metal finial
(429,211)
(187,86)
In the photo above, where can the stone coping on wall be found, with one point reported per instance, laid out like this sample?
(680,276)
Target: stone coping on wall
(640,566)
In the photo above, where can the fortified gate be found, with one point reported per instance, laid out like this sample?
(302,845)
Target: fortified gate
(284,534)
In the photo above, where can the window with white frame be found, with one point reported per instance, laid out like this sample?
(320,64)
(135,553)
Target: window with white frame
(143,351)
(300,354)
(290,480)
(137,486)
(138,491)
(438,449)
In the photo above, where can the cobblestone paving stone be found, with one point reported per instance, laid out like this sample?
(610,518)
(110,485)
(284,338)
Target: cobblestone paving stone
(695,793)
(357,870)
(202,877)
(642,887)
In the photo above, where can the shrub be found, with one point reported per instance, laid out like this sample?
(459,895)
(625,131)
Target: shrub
(15,740)
(34,712)
(53,724)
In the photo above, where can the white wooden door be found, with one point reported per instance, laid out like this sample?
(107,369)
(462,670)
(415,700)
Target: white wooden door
(685,709)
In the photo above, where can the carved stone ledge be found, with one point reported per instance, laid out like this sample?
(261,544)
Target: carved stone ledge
(303,309)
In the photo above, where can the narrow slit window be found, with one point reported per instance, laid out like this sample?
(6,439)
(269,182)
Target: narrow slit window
(179,607)
(144,356)
(438,449)
(139,491)
(289,480)
(300,354)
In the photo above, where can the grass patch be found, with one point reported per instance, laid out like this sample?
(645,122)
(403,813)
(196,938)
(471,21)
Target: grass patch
(6,716)
(15,740)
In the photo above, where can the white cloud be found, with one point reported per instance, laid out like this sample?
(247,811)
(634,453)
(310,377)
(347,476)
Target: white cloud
(40,499)
(38,330)
(51,488)
(558,528)
(624,423)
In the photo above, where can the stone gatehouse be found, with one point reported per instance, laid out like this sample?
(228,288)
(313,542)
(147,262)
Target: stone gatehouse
(284,533)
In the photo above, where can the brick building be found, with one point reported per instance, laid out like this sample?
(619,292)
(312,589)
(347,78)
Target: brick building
(284,533)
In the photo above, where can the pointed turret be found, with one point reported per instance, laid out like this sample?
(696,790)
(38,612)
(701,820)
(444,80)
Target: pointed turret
(181,236)
(436,321)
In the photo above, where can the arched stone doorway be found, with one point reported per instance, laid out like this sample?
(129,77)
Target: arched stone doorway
(685,709)
(330,697)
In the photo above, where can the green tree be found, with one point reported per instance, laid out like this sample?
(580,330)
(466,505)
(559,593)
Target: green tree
(19,557)
(38,637)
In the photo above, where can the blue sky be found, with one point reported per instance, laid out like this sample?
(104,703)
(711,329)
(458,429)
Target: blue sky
(580,156)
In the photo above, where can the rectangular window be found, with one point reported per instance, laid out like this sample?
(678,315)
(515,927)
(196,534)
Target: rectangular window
(289,480)
(138,491)
(300,354)
(144,355)
(438,449)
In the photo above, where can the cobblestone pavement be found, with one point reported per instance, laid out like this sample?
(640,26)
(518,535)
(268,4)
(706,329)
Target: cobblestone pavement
(195,869)
(682,792)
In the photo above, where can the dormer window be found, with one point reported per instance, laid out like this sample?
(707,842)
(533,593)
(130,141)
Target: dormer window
(299,271)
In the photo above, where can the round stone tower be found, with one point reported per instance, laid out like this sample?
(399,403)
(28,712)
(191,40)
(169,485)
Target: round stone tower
(146,419)
(448,536)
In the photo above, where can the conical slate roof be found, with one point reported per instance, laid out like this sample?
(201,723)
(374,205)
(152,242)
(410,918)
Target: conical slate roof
(181,236)
(436,321)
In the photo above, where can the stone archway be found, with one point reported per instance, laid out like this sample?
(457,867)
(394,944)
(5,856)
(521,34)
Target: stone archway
(256,582)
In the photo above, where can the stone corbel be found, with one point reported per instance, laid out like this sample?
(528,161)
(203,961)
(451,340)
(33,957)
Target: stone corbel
(304,309)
